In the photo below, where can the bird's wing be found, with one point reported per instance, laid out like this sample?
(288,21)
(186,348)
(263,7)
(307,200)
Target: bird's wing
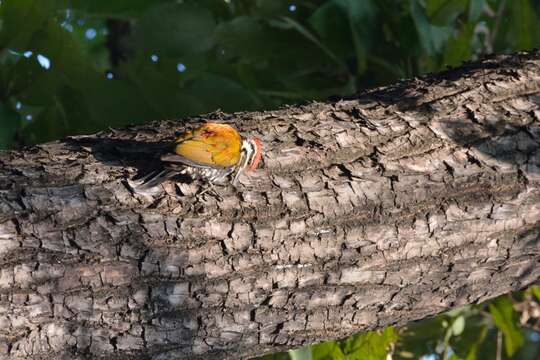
(179,159)
(210,145)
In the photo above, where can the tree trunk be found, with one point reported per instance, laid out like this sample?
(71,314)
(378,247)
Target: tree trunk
(390,207)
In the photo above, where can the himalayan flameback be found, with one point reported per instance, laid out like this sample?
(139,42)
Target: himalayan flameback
(213,152)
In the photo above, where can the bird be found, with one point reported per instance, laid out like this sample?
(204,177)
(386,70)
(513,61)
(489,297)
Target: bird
(212,152)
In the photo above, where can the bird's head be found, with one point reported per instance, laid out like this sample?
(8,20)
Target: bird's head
(252,149)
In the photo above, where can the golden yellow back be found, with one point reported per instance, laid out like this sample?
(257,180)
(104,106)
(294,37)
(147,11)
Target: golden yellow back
(211,144)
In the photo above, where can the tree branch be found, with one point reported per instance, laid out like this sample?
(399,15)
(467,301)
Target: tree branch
(382,209)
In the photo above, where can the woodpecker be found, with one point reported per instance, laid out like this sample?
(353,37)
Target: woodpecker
(213,152)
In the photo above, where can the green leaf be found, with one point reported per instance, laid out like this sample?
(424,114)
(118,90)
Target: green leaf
(303,353)
(458,325)
(217,92)
(504,317)
(116,8)
(473,333)
(269,8)
(342,22)
(475,9)
(361,21)
(421,337)
(329,350)
(331,23)
(445,12)
(523,30)
(432,37)
(535,289)
(21,19)
(472,349)
(458,49)
(112,103)
(289,23)
(175,29)
(251,40)
(373,345)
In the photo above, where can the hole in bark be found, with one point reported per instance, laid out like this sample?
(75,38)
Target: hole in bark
(74,244)
(449,168)
(344,171)
(224,247)
(266,301)
(303,142)
(345,298)
(114,341)
(279,327)
(393,179)
(472,160)
(522,177)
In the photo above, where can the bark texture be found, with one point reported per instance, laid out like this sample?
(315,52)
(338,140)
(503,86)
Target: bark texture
(393,206)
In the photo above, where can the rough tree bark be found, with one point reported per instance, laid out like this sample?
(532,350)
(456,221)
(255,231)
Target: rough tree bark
(393,206)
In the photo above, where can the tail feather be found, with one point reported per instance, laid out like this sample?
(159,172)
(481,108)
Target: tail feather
(155,178)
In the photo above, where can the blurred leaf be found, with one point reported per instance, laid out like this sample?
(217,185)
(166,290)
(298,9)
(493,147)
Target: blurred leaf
(421,337)
(458,49)
(289,23)
(535,289)
(471,349)
(21,19)
(216,92)
(250,40)
(175,29)
(303,353)
(11,123)
(159,85)
(522,28)
(115,102)
(432,37)
(331,23)
(504,317)
(259,54)
(270,8)
(112,8)
(361,16)
(475,9)
(66,58)
(328,350)
(466,344)
(48,124)
(458,325)
(373,345)
(445,12)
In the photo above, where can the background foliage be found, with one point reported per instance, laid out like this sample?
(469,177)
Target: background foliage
(77,66)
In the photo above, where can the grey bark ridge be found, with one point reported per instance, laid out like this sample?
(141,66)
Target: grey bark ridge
(393,206)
